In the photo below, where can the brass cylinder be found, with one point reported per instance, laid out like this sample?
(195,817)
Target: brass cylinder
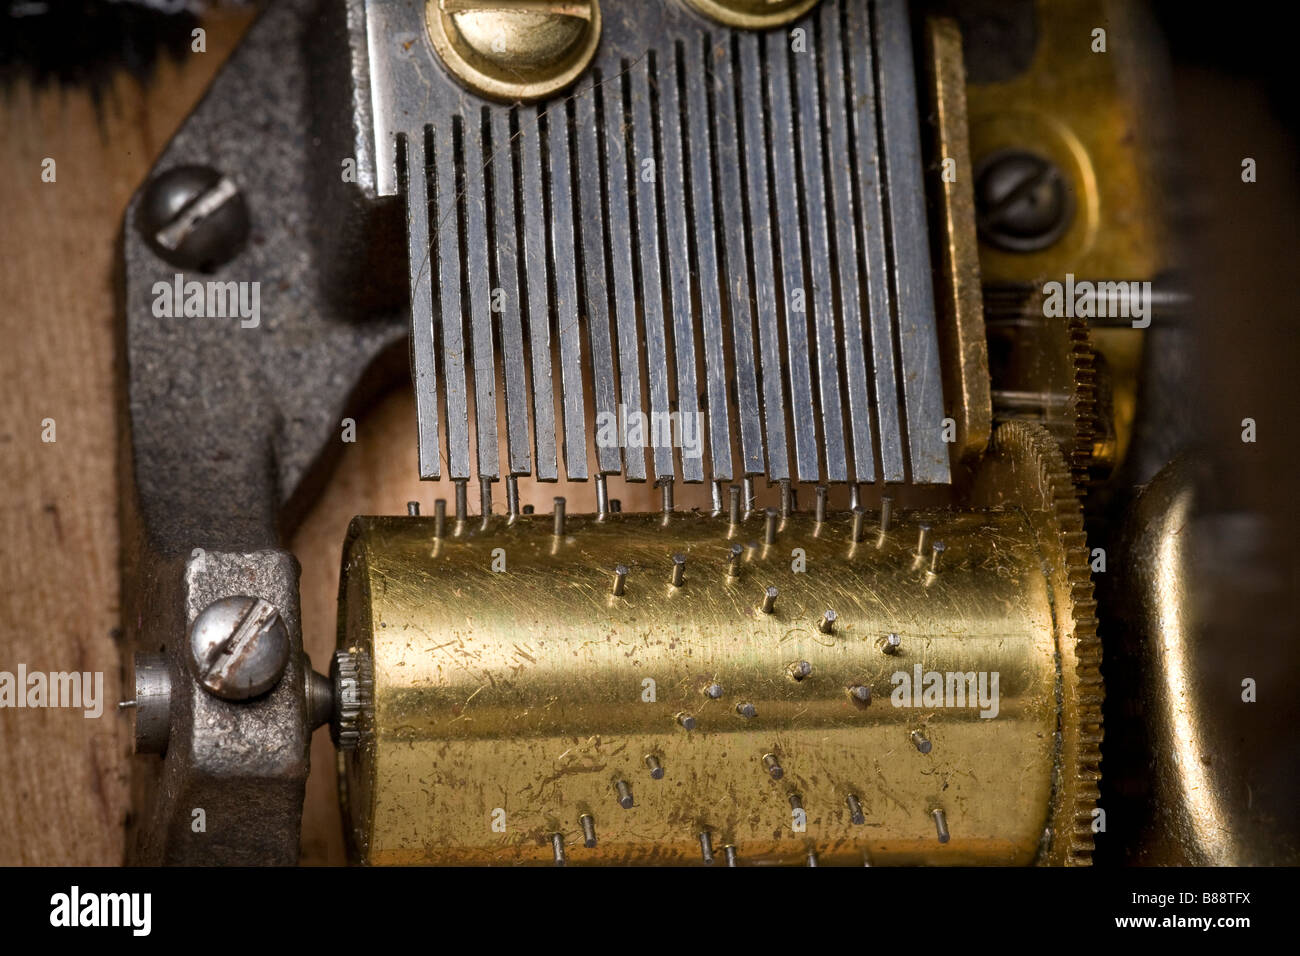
(515,693)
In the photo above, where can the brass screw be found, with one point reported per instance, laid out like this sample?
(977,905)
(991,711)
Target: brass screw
(514,51)
(753,14)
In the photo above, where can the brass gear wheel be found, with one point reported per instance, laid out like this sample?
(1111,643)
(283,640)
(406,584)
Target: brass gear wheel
(1025,469)
(1045,371)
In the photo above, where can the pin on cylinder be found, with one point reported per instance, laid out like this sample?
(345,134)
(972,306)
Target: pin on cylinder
(827,624)
(886,513)
(787,498)
(747,710)
(679,570)
(654,766)
(940,824)
(620,579)
(713,690)
(588,825)
(889,644)
(729,852)
(859,522)
(559,518)
(624,794)
(769,600)
(666,491)
(413,509)
(855,810)
(733,561)
(921,742)
(819,505)
(602,496)
(512,496)
(769,528)
(716,491)
(557,848)
(773,766)
(922,539)
(936,553)
(798,670)
(861,693)
(440,518)
(706,847)
(462,499)
(485,496)
(749,493)
(687,721)
(733,504)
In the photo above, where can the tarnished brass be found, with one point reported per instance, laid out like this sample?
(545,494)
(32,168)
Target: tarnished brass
(1091,114)
(1217,772)
(753,14)
(512,50)
(1081,110)
(957,277)
(508,704)
(1025,470)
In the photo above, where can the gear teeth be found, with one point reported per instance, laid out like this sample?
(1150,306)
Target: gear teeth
(353,693)
(1084,359)
(1060,527)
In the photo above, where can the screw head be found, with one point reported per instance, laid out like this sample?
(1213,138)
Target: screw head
(193,217)
(239,647)
(1022,201)
(753,14)
(514,54)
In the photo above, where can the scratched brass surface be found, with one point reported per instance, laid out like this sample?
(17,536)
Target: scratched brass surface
(959,297)
(1099,117)
(523,691)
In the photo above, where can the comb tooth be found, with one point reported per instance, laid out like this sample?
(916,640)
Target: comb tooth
(844,216)
(866,171)
(677,248)
(917,336)
(706,258)
(501,168)
(595,297)
(620,247)
(731,198)
(760,226)
(538,298)
(647,224)
(425,368)
(572,393)
(821,296)
(479,292)
(453,341)
(786,212)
